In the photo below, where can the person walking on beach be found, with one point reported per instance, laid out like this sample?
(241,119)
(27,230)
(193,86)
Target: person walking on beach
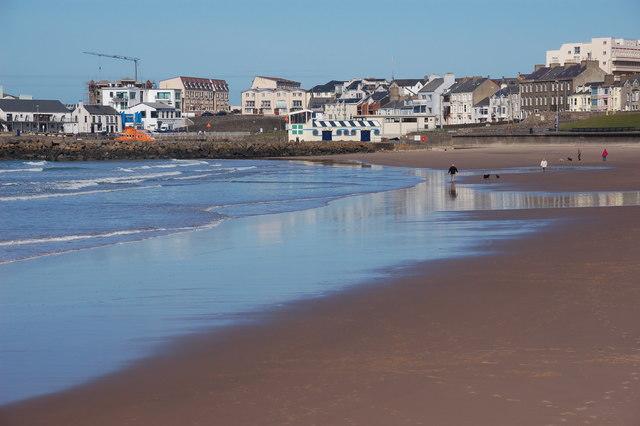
(544,165)
(605,154)
(452,171)
(579,155)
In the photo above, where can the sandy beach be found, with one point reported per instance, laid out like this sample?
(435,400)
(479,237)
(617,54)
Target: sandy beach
(540,330)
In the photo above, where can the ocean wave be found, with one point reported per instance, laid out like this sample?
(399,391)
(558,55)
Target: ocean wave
(130,179)
(31,169)
(176,163)
(144,233)
(35,163)
(70,194)
(67,238)
(193,177)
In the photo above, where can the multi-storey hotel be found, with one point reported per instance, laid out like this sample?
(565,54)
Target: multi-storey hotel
(614,55)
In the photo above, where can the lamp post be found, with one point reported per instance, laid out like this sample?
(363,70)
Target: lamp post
(37,118)
(557,106)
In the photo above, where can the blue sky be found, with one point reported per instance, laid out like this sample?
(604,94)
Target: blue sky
(308,41)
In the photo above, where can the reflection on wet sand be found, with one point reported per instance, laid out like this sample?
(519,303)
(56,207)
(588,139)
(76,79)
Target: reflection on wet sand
(152,290)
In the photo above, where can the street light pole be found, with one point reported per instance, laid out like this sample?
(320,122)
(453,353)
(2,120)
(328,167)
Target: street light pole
(557,106)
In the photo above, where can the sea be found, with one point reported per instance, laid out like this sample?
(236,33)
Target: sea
(105,263)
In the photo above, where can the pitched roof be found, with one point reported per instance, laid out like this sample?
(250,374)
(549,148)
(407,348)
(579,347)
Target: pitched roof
(482,102)
(279,79)
(327,87)
(44,106)
(466,85)
(432,85)
(199,83)
(565,72)
(511,89)
(630,79)
(399,104)
(406,82)
(157,105)
(378,96)
(319,102)
(100,110)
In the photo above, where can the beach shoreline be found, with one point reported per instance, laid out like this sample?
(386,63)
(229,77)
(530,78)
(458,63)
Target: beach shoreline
(537,330)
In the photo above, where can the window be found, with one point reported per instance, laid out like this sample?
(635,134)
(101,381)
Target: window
(154,114)
(353,132)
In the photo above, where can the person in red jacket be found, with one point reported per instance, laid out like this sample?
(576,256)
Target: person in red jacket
(605,154)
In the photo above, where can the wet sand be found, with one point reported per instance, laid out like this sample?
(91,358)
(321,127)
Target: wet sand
(540,330)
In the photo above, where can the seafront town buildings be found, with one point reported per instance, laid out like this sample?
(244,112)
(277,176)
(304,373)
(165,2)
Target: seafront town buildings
(123,98)
(464,95)
(615,56)
(153,116)
(95,119)
(198,95)
(34,115)
(630,93)
(549,88)
(429,99)
(307,125)
(504,105)
(95,88)
(274,96)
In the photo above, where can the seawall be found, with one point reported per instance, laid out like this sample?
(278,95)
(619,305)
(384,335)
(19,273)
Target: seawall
(70,149)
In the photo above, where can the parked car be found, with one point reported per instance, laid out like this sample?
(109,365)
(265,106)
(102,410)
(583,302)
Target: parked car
(221,113)
(207,114)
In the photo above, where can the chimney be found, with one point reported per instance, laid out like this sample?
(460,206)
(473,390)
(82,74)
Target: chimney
(554,65)
(536,67)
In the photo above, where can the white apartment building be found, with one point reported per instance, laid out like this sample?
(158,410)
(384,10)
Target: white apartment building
(342,109)
(465,95)
(429,99)
(504,105)
(153,116)
(122,98)
(614,55)
(274,96)
(580,100)
(95,119)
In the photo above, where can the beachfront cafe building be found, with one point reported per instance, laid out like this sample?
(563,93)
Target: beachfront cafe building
(307,125)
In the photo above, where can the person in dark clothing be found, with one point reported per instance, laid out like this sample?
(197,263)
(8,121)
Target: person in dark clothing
(579,155)
(453,170)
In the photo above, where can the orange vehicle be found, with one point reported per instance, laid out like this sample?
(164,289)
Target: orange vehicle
(133,135)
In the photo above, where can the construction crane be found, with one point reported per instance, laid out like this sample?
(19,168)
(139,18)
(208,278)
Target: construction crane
(124,58)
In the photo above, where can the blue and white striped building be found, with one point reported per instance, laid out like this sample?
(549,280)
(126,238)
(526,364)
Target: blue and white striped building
(307,125)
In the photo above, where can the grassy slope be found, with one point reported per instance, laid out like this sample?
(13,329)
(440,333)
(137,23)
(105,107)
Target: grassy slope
(602,121)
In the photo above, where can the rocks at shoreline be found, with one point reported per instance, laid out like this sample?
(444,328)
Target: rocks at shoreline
(56,149)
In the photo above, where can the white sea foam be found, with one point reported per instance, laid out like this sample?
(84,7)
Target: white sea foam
(173,165)
(35,163)
(167,231)
(193,177)
(31,169)
(130,179)
(67,238)
(70,194)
